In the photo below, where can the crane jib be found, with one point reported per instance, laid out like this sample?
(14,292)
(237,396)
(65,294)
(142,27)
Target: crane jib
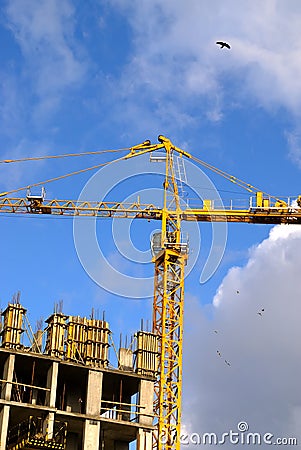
(150,212)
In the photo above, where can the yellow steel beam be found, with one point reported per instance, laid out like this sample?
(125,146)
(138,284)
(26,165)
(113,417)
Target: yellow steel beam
(83,208)
(253,215)
(138,210)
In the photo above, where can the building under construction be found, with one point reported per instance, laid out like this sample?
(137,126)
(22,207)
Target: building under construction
(61,392)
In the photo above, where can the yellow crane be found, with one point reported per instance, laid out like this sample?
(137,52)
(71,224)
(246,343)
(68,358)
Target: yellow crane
(170,256)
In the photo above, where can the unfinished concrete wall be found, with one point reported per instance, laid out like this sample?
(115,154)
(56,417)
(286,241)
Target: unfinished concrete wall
(104,404)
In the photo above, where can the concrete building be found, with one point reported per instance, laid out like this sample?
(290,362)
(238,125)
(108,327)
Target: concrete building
(66,395)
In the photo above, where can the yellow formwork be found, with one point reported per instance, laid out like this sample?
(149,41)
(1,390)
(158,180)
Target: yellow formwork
(12,327)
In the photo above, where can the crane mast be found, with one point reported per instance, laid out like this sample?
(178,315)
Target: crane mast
(169,259)
(168,313)
(168,325)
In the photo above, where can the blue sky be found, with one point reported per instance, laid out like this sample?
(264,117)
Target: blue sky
(90,75)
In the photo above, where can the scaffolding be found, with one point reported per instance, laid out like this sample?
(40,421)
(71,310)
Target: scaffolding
(30,434)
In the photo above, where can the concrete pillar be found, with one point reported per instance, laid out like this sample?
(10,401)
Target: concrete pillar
(146,398)
(48,425)
(93,404)
(4,419)
(52,384)
(91,435)
(144,439)
(8,373)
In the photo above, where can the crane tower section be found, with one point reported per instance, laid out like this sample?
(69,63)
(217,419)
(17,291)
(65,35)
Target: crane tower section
(169,257)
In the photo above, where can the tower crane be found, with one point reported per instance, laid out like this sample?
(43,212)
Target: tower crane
(169,258)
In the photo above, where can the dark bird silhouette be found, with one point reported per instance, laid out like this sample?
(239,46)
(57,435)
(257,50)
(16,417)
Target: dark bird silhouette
(223,44)
(227,362)
(215,331)
(218,352)
(237,292)
(260,312)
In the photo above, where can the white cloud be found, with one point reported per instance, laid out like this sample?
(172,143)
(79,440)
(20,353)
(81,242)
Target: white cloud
(16,175)
(10,106)
(44,32)
(262,385)
(176,42)
(175,56)
(294,141)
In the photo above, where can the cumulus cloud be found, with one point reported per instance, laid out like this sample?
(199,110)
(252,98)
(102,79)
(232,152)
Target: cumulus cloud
(175,56)
(181,37)
(44,32)
(262,385)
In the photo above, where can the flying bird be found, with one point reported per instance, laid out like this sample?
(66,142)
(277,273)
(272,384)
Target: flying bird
(215,331)
(218,352)
(237,292)
(223,44)
(227,362)
(260,312)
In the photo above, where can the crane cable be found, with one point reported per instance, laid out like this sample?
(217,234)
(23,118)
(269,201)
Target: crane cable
(232,178)
(65,155)
(2,194)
